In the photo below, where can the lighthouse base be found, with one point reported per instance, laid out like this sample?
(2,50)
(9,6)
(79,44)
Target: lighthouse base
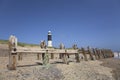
(49,43)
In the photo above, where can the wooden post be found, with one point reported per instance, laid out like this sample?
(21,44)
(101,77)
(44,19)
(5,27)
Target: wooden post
(102,52)
(65,58)
(46,58)
(106,53)
(43,56)
(98,54)
(52,55)
(12,53)
(89,52)
(38,56)
(43,46)
(112,54)
(101,56)
(61,47)
(110,51)
(94,52)
(60,56)
(20,56)
(77,57)
(118,55)
(84,54)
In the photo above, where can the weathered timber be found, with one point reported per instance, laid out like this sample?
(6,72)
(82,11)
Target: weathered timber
(118,55)
(94,52)
(102,52)
(44,54)
(52,56)
(15,51)
(89,52)
(61,47)
(106,53)
(12,53)
(65,58)
(55,51)
(46,58)
(111,53)
(77,57)
(20,56)
(84,54)
(38,56)
(98,53)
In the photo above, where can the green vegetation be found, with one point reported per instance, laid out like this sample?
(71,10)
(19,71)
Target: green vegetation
(19,43)
(26,44)
(3,41)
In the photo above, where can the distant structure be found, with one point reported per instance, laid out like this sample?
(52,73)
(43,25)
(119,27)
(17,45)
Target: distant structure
(49,39)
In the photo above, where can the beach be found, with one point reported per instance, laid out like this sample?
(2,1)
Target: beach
(29,68)
(104,69)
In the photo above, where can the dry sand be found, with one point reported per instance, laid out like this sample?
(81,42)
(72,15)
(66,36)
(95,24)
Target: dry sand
(107,69)
(114,64)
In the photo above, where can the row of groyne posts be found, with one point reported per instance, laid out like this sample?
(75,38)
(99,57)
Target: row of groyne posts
(64,54)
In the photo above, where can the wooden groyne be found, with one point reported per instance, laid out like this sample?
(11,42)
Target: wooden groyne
(16,53)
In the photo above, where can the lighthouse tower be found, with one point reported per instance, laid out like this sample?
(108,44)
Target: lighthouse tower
(49,39)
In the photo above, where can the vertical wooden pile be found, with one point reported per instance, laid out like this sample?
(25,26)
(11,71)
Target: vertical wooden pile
(111,53)
(118,55)
(46,58)
(84,54)
(38,56)
(20,56)
(12,53)
(95,53)
(65,57)
(42,46)
(61,47)
(77,57)
(89,52)
(52,55)
(100,52)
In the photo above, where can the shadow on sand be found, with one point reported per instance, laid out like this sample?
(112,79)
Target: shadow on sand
(58,62)
(37,64)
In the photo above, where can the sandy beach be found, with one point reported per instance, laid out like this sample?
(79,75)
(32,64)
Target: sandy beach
(105,69)
(32,69)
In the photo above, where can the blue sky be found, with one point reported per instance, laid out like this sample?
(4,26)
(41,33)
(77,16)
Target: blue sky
(85,22)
